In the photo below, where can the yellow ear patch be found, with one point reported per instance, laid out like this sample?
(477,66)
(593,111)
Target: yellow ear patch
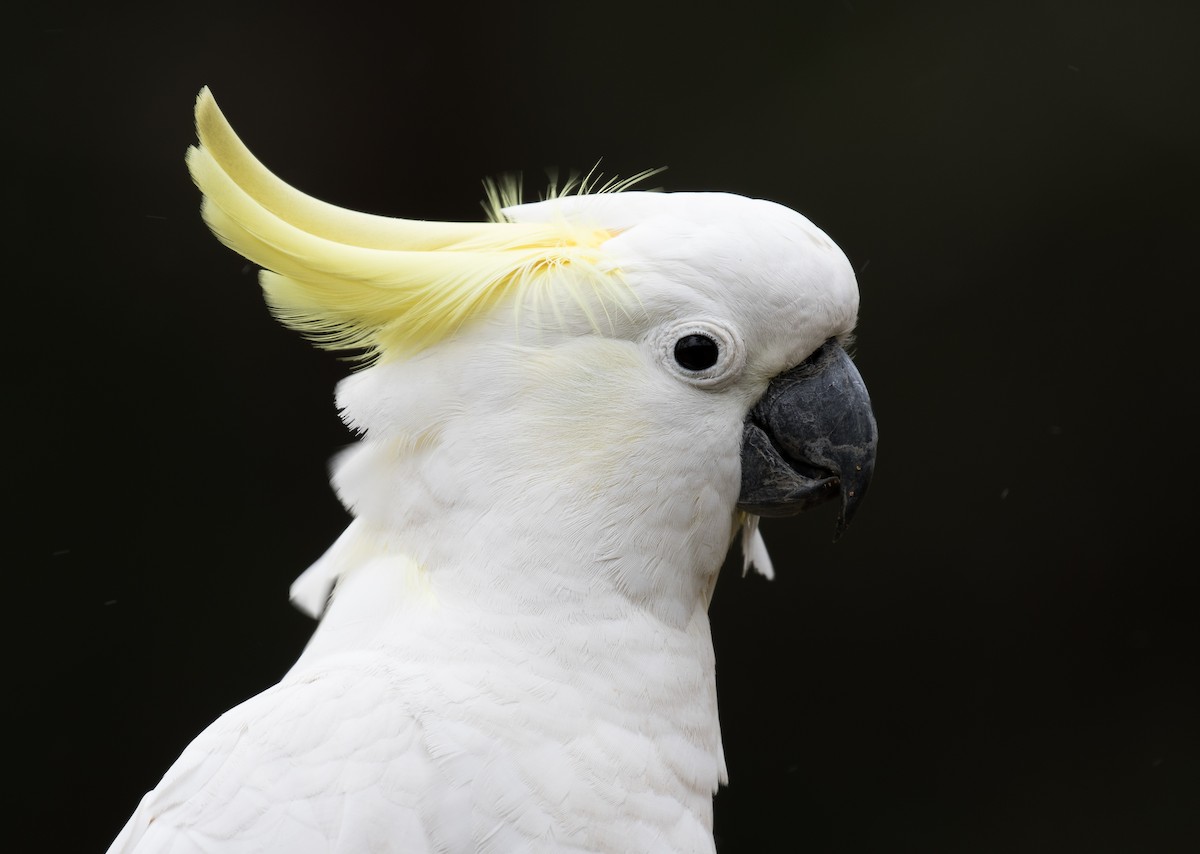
(383,286)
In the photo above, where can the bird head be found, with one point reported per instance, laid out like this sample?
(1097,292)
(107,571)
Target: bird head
(625,377)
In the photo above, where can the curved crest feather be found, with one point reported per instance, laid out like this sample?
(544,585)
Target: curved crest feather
(383,286)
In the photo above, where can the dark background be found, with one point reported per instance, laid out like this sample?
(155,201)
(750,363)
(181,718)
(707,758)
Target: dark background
(1001,654)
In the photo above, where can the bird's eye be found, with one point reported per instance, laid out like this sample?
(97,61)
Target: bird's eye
(696,352)
(704,353)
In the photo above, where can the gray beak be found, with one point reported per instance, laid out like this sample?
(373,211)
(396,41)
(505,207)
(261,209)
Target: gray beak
(810,438)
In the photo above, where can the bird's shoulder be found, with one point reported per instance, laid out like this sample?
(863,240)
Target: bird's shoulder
(298,764)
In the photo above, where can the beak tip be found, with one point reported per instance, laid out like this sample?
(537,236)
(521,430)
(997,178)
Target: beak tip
(853,491)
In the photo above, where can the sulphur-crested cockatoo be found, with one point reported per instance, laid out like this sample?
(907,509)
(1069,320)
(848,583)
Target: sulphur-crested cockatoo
(566,414)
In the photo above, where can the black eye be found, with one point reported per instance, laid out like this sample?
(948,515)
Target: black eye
(696,352)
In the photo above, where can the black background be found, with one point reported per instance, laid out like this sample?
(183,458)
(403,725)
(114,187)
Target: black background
(1001,654)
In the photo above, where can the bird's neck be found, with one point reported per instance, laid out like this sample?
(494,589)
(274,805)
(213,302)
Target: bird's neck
(483,576)
(445,541)
(591,674)
(596,535)
(594,593)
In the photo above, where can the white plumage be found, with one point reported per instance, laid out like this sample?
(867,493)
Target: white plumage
(516,652)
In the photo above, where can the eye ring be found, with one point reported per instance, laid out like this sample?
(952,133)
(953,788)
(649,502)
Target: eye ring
(704,353)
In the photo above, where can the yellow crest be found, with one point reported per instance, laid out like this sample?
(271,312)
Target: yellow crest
(384,286)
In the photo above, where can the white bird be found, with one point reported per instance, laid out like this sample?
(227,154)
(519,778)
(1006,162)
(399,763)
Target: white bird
(565,416)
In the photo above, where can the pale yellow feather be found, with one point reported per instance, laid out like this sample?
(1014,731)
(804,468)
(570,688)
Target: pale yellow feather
(387,287)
